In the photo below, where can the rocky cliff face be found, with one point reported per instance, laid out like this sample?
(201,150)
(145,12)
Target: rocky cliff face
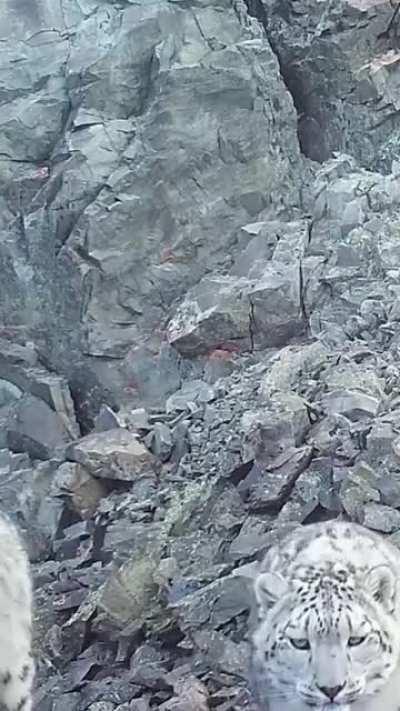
(199,307)
(137,139)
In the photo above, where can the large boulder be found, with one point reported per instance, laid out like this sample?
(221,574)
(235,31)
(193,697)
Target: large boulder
(113,454)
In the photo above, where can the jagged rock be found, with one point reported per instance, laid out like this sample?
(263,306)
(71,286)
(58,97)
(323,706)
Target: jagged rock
(268,488)
(82,490)
(290,364)
(216,315)
(190,693)
(380,443)
(161,442)
(356,493)
(223,653)
(114,454)
(276,316)
(252,539)
(315,487)
(214,605)
(281,424)
(350,403)
(192,393)
(106,420)
(138,419)
(110,150)
(35,428)
(130,598)
(8,393)
(323,127)
(389,489)
(263,309)
(18,365)
(381,518)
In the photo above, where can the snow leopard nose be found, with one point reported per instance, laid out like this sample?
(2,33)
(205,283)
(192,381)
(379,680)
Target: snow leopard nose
(331,691)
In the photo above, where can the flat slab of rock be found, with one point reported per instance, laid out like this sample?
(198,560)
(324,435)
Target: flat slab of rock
(114,454)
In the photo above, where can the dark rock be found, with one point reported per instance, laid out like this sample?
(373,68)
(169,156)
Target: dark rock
(214,605)
(106,420)
(35,428)
(160,441)
(273,484)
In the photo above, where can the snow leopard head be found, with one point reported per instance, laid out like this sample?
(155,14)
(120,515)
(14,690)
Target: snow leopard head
(327,637)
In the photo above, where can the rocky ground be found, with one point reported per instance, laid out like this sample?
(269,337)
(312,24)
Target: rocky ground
(200,320)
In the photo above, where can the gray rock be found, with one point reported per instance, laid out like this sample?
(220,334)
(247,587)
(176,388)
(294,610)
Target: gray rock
(114,454)
(225,312)
(215,315)
(161,441)
(98,298)
(272,485)
(290,363)
(192,392)
(190,692)
(130,597)
(153,377)
(252,539)
(276,316)
(106,420)
(8,393)
(223,653)
(138,419)
(214,605)
(381,518)
(35,428)
(379,443)
(350,403)
(281,424)
(83,491)
(325,125)
(389,489)
(18,365)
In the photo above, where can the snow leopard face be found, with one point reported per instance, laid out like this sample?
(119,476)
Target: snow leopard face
(325,641)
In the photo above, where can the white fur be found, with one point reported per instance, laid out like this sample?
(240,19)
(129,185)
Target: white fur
(16,663)
(328,584)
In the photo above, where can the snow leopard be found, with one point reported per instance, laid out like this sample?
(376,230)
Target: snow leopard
(16,662)
(327,635)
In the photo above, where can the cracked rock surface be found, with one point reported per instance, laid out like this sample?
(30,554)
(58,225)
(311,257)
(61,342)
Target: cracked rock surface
(199,320)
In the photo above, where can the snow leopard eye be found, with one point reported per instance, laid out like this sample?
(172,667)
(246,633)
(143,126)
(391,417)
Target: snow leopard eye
(355,641)
(302,644)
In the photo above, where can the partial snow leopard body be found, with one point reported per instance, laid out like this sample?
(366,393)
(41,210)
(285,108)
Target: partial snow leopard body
(328,636)
(16,663)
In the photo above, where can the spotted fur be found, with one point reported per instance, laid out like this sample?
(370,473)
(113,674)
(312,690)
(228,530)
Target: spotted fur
(16,663)
(328,636)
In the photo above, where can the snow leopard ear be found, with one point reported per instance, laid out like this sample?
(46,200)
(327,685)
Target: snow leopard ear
(381,583)
(269,587)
